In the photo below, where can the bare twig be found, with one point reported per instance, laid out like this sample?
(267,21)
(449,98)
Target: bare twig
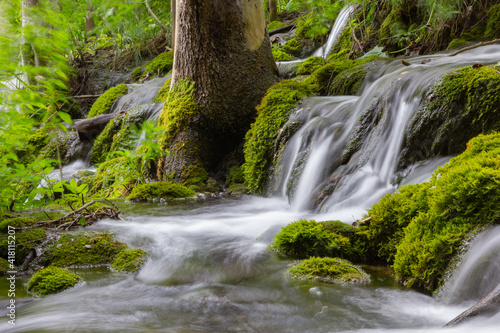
(474,46)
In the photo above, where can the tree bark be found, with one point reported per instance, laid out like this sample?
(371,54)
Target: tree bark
(273,10)
(223,47)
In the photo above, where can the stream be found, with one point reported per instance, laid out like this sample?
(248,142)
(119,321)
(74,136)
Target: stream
(210,271)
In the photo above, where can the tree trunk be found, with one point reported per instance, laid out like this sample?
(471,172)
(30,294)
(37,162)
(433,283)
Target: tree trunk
(223,47)
(273,10)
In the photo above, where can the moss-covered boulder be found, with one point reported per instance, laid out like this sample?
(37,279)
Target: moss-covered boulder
(464,104)
(25,241)
(310,65)
(160,190)
(306,238)
(159,66)
(103,104)
(279,55)
(84,249)
(52,280)
(273,112)
(129,260)
(422,227)
(331,270)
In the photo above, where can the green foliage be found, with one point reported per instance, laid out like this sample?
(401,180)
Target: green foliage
(272,113)
(84,249)
(52,280)
(323,12)
(129,260)
(160,190)
(493,24)
(332,270)
(310,65)
(305,238)
(4,266)
(25,241)
(178,110)
(103,104)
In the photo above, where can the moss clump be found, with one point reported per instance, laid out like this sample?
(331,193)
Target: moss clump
(272,113)
(163,92)
(178,111)
(84,249)
(160,190)
(332,270)
(103,142)
(35,143)
(310,65)
(292,47)
(279,55)
(160,65)
(235,180)
(16,222)
(103,104)
(25,241)
(427,223)
(129,260)
(275,25)
(4,266)
(305,238)
(52,280)
(493,24)
(65,143)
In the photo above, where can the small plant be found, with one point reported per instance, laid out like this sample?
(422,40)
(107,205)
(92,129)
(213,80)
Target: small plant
(52,280)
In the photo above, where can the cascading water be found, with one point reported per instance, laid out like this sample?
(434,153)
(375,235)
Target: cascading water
(345,155)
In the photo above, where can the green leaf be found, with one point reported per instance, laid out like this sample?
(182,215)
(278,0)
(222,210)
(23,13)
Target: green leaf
(65,117)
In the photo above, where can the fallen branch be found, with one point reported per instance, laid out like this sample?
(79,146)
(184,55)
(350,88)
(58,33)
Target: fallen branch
(86,96)
(474,46)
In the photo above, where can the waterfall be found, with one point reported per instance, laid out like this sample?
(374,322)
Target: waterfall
(478,272)
(345,155)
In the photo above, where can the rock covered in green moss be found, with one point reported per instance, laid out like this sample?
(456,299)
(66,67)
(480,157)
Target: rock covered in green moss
(159,66)
(331,270)
(15,222)
(305,238)
(160,190)
(310,65)
(103,104)
(25,241)
(464,104)
(279,55)
(273,112)
(35,143)
(84,249)
(423,226)
(52,280)
(129,260)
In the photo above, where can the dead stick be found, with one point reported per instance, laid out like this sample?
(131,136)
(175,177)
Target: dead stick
(474,46)
(69,214)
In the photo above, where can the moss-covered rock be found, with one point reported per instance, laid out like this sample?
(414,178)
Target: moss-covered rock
(310,65)
(35,143)
(159,66)
(331,270)
(103,104)
(160,190)
(84,249)
(52,280)
(272,114)
(427,224)
(279,55)
(69,146)
(15,222)
(464,104)
(25,241)
(195,176)
(129,260)
(292,47)
(493,24)
(275,25)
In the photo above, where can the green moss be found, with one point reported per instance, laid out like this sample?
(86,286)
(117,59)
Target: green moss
(272,113)
(275,25)
(160,65)
(35,143)
(178,111)
(4,266)
(279,55)
(292,47)
(129,260)
(332,270)
(24,242)
(103,104)
(160,190)
(84,249)
(458,43)
(16,222)
(493,24)
(59,141)
(52,280)
(426,224)
(310,65)
(103,142)
(323,77)
(393,28)
(163,92)
(305,238)
(235,175)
